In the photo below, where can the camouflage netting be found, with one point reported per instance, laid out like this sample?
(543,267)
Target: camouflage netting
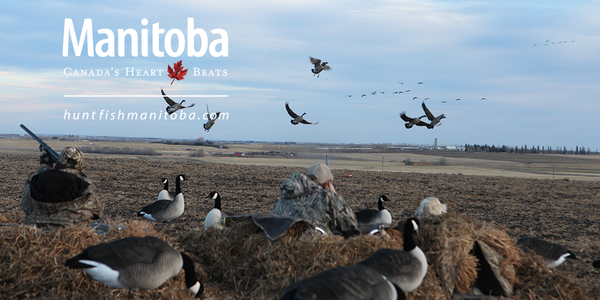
(241,262)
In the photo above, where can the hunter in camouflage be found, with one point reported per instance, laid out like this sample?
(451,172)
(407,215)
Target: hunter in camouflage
(313,197)
(60,196)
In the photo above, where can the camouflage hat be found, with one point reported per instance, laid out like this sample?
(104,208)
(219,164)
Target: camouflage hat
(71,157)
(321,172)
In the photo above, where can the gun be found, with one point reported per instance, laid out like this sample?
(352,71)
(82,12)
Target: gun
(53,155)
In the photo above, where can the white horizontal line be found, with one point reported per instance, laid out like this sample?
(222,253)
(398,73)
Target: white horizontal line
(143,96)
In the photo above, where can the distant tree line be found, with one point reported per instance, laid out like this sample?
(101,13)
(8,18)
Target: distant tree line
(115,150)
(532,149)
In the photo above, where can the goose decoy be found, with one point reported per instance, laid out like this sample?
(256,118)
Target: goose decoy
(433,120)
(174,106)
(215,215)
(404,268)
(297,119)
(208,125)
(136,263)
(410,122)
(372,216)
(319,67)
(164,193)
(344,283)
(166,210)
(552,254)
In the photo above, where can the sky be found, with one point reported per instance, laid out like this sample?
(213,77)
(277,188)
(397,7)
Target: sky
(535,63)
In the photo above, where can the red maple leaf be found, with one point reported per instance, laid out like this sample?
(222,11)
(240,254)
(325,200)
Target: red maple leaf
(177,71)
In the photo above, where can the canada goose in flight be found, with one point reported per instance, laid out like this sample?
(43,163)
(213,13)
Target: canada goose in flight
(404,268)
(410,122)
(348,95)
(483,99)
(174,106)
(554,255)
(296,118)
(209,124)
(136,263)
(420,82)
(457,99)
(215,215)
(164,193)
(406,91)
(364,95)
(433,120)
(444,101)
(166,210)
(415,98)
(319,67)
(373,93)
(372,216)
(344,283)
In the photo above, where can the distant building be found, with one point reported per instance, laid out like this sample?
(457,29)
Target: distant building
(238,154)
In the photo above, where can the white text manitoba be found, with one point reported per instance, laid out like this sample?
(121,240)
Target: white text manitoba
(107,115)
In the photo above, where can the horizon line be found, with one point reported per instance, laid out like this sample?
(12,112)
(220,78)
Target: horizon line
(141,96)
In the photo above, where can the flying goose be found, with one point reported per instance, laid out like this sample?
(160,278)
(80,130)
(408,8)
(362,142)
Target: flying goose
(164,193)
(404,268)
(136,263)
(174,106)
(554,255)
(215,215)
(410,122)
(297,119)
(344,283)
(319,67)
(166,210)
(208,125)
(433,120)
(372,216)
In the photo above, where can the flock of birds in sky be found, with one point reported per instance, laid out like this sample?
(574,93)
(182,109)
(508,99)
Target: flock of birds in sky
(318,67)
(550,43)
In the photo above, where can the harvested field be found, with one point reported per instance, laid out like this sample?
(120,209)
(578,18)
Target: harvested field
(562,211)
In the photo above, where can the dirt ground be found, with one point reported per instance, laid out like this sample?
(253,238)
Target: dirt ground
(561,211)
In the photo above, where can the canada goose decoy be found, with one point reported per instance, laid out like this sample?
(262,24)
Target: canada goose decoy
(136,263)
(215,215)
(166,210)
(404,268)
(164,193)
(410,122)
(344,283)
(433,120)
(553,254)
(208,125)
(174,106)
(319,67)
(296,118)
(372,216)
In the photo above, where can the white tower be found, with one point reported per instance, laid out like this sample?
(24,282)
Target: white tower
(435,143)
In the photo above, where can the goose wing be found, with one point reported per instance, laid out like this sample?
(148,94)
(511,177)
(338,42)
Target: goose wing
(188,106)
(156,206)
(169,101)
(405,117)
(427,112)
(290,111)
(307,122)
(120,253)
(356,282)
(314,61)
(326,67)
